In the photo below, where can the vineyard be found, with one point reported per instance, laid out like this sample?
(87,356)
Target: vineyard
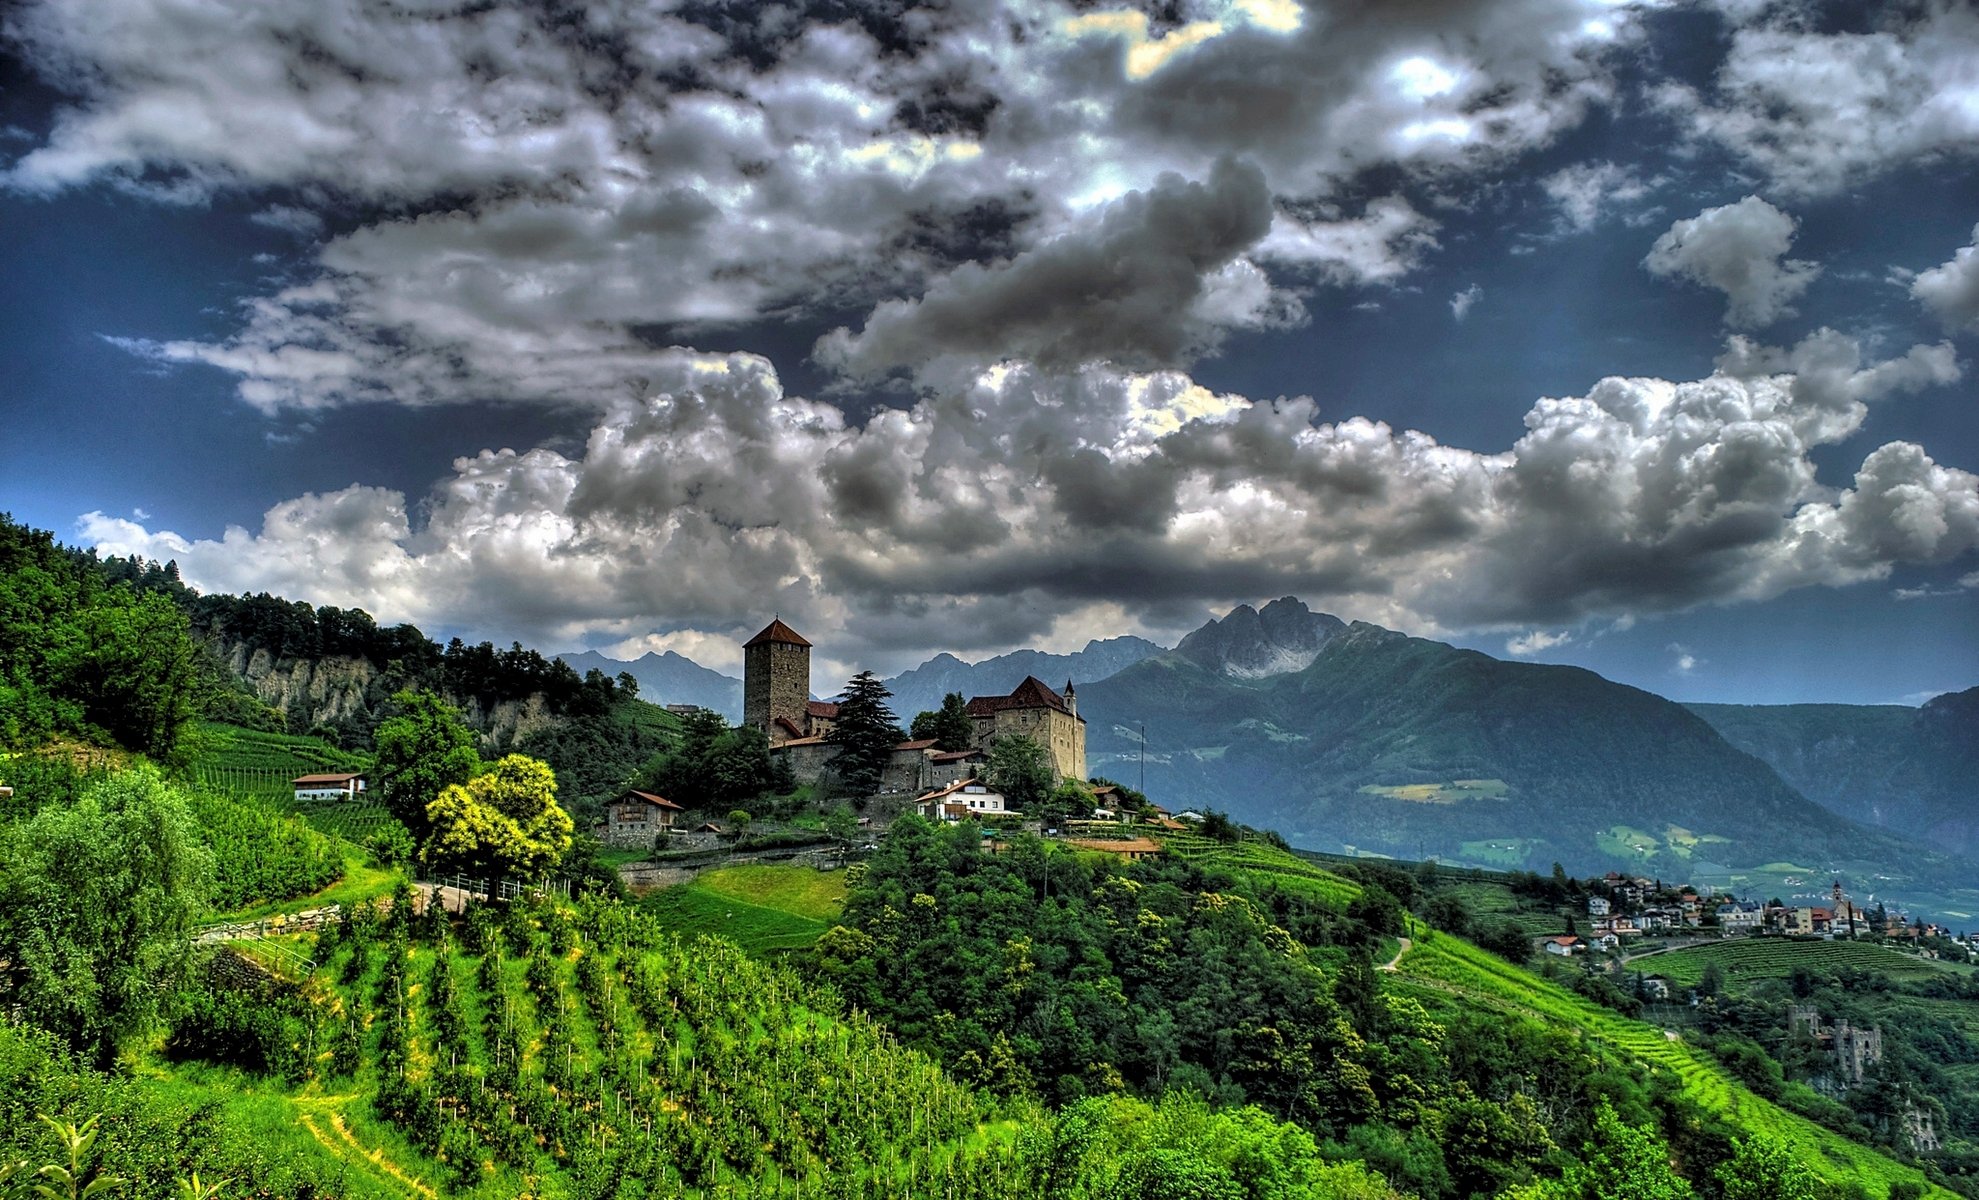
(1459,969)
(260,766)
(1268,863)
(1745,961)
(586,1052)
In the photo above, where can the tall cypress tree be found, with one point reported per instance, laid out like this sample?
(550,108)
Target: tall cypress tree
(864,734)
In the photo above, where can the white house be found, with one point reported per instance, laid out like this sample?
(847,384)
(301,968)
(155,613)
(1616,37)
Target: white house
(1597,906)
(961,800)
(1564,945)
(335,785)
(1742,917)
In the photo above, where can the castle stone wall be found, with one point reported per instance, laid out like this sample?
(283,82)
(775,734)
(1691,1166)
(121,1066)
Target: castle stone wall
(1062,736)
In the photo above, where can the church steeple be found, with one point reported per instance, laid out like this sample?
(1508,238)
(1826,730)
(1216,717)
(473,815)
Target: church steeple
(1071,699)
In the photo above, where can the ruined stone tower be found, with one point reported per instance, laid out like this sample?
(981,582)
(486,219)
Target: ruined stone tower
(776,680)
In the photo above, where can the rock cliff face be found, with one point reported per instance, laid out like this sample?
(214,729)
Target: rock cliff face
(333,691)
(307,691)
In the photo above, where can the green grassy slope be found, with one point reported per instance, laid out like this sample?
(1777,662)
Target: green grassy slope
(762,909)
(1460,969)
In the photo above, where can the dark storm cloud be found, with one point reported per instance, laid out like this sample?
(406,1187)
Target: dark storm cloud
(1126,291)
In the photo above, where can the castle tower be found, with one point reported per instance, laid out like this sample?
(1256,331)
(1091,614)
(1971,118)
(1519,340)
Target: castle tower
(1071,699)
(776,680)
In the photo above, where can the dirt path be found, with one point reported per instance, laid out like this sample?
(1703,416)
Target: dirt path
(1395,963)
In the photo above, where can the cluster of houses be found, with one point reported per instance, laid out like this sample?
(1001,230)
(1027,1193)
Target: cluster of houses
(1621,907)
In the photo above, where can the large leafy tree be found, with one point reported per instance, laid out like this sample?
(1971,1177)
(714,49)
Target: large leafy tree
(97,905)
(83,655)
(864,734)
(951,726)
(1021,769)
(501,823)
(422,751)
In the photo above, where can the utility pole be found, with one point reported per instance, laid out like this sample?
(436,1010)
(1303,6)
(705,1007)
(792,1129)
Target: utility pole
(1143,788)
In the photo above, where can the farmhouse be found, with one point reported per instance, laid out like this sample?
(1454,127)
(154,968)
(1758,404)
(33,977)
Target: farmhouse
(1564,945)
(335,785)
(636,818)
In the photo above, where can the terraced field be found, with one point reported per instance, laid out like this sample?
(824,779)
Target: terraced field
(1288,871)
(259,765)
(1462,970)
(1745,961)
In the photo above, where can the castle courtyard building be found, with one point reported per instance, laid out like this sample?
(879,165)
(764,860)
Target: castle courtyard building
(1033,710)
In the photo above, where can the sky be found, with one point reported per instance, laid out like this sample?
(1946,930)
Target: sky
(1637,336)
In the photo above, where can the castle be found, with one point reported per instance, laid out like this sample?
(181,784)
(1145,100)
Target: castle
(776,698)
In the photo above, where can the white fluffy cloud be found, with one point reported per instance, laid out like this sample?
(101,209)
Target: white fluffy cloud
(1739,249)
(1951,290)
(1010,504)
(1819,112)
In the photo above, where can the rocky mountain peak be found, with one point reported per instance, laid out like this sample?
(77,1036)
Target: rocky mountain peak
(1248,643)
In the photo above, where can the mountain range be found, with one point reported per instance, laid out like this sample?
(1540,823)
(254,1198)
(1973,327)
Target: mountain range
(1399,745)
(670,678)
(1915,770)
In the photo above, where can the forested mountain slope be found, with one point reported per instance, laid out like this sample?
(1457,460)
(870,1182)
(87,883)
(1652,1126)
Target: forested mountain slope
(1407,746)
(1914,771)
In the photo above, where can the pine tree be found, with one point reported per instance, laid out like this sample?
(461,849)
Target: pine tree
(864,734)
(951,726)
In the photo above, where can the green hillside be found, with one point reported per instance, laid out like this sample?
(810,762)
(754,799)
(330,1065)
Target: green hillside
(1408,747)
(1457,969)
(1439,1035)
(762,909)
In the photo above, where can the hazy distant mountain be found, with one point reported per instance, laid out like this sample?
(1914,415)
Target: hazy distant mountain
(1912,770)
(923,687)
(1405,746)
(670,678)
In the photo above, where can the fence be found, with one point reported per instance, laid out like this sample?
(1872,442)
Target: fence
(507,889)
